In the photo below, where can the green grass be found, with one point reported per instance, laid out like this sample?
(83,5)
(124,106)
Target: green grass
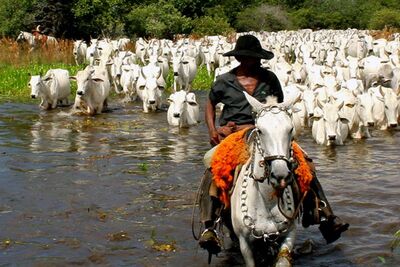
(17,64)
(14,79)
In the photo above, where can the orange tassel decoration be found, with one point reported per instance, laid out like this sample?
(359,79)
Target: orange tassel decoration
(303,172)
(231,152)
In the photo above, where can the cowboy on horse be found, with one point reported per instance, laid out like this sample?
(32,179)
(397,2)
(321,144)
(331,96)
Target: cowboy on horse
(40,37)
(237,117)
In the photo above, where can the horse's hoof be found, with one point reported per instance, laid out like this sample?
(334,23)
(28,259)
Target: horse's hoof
(283,262)
(284,259)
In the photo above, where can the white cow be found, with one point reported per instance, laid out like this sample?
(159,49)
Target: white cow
(395,83)
(93,89)
(207,55)
(308,97)
(328,127)
(140,49)
(92,53)
(129,77)
(386,107)
(79,51)
(183,110)
(51,88)
(363,120)
(185,70)
(149,91)
(376,69)
(283,70)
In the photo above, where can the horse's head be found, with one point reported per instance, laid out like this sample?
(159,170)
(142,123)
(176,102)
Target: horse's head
(20,37)
(273,135)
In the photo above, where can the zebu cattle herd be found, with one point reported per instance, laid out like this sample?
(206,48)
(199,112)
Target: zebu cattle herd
(340,83)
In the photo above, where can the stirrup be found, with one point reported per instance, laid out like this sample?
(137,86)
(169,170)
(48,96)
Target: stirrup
(210,241)
(332,229)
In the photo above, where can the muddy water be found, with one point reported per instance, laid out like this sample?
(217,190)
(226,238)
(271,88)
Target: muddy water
(116,190)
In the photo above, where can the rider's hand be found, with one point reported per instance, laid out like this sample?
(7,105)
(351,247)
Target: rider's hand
(214,137)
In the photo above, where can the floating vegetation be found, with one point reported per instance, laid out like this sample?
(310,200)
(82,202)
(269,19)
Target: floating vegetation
(143,166)
(160,246)
(396,241)
(120,236)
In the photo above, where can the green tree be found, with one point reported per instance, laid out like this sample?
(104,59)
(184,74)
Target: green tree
(55,17)
(208,25)
(97,18)
(385,17)
(16,16)
(158,20)
(262,18)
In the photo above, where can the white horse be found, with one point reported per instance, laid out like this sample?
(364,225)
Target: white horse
(27,37)
(263,212)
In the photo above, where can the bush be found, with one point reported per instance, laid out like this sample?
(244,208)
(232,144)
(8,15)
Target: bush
(209,25)
(385,18)
(262,18)
(159,20)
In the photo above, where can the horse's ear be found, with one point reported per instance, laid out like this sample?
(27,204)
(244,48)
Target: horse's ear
(256,105)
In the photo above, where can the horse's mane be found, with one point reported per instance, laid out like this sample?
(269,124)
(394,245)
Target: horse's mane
(271,100)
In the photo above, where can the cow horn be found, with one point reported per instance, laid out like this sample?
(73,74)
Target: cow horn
(141,71)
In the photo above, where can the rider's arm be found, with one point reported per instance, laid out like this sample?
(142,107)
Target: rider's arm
(210,121)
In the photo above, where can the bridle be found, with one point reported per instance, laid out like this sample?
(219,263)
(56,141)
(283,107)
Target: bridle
(266,161)
(254,136)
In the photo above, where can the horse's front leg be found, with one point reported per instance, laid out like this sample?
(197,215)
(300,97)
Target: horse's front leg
(284,258)
(247,254)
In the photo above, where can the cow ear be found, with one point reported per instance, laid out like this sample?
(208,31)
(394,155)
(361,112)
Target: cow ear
(315,118)
(72,78)
(319,104)
(141,87)
(47,78)
(98,80)
(192,103)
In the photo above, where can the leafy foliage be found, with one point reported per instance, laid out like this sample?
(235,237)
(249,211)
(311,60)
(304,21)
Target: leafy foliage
(15,16)
(262,18)
(385,18)
(158,20)
(77,19)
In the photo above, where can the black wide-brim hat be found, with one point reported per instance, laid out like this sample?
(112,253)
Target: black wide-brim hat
(249,46)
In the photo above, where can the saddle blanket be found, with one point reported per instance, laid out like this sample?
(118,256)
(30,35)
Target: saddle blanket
(234,151)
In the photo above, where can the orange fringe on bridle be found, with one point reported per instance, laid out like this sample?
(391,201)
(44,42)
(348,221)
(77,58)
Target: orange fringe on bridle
(233,151)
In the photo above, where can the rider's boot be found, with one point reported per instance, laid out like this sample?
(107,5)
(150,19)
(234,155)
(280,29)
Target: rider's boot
(317,210)
(210,208)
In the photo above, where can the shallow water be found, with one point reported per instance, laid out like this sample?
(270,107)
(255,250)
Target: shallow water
(116,190)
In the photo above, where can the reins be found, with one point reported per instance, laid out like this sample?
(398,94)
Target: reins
(254,137)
